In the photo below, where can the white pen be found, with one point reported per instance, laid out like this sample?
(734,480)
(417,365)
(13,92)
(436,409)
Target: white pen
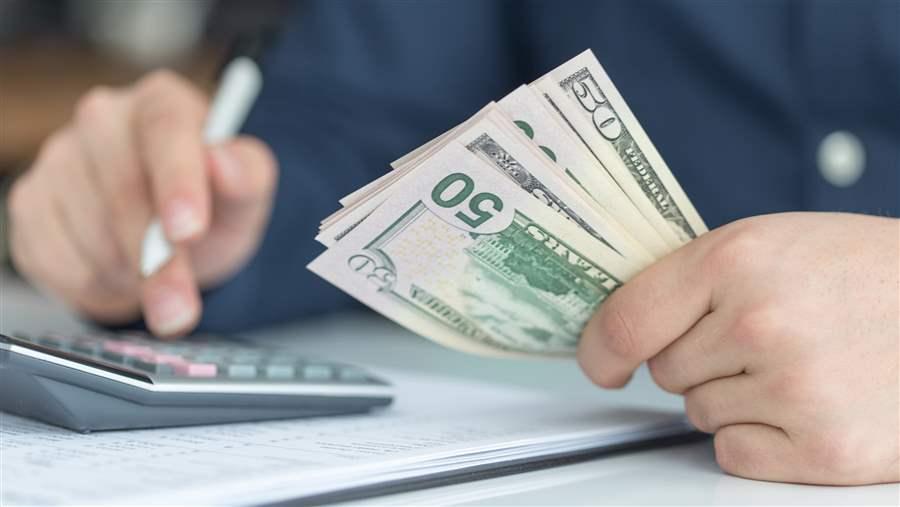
(238,88)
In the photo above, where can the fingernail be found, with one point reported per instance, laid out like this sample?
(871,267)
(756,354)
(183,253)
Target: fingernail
(182,221)
(169,313)
(228,165)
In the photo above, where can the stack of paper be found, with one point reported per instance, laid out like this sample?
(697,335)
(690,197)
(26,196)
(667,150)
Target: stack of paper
(438,429)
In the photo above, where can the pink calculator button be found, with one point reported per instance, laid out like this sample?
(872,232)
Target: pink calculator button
(112,346)
(128,349)
(196,370)
(170,359)
(136,350)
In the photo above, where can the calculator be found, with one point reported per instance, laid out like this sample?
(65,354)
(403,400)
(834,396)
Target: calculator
(103,381)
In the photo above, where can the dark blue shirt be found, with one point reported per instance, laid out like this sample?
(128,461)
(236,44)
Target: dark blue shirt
(736,95)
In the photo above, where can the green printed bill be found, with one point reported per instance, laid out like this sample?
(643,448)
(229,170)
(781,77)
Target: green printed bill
(584,97)
(463,256)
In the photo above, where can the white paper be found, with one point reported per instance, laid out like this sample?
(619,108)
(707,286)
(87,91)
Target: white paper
(434,426)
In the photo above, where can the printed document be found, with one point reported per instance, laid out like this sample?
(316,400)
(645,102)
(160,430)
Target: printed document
(436,427)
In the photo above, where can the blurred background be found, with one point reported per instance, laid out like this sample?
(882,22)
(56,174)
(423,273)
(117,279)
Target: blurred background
(52,51)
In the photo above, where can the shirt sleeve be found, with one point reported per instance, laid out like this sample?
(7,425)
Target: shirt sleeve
(351,86)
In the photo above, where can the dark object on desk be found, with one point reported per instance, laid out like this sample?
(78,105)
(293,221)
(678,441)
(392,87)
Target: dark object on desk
(126,381)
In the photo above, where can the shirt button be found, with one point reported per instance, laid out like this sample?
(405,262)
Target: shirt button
(841,158)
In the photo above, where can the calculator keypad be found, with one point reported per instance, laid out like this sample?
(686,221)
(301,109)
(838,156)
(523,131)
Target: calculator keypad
(197,360)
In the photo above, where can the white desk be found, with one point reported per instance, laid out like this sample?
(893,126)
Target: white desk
(685,474)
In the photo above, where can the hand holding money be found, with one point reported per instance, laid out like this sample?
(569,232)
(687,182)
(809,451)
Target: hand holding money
(781,332)
(502,236)
(508,233)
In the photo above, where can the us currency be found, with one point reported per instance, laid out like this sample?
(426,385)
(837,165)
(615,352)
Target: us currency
(532,116)
(498,142)
(583,95)
(461,255)
(360,203)
(492,136)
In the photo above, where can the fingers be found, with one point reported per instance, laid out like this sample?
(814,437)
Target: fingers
(170,298)
(103,129)
(705,353)
(168,121)
(243,173)
(130,155)
(79,216)
(758,451)
(147,156)
(726,401)
(86,219)
(43,249)
(644,316)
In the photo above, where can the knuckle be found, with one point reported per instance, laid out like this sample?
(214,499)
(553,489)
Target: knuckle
(83,280)
(105,253)
(42,267)
(260,150)
(129,210)
(835,455)
(757,329)
(157,115)
(18,199)
(261,167)
(21,262)
(663,373)
(55,148)
(700,413)
(94,105)
(595,366)
(589,365)
(730,456)
(598,376)
(801,386)
(160,81)
(128,189)
(164,98)
(18,256)
(616,331)
(267,163)
(736,251)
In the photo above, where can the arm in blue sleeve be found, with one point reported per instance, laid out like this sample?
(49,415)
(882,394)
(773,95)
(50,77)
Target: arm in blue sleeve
(352,86)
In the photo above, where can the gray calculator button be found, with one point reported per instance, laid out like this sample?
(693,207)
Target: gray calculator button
(207,357)
(88,347)
(246,357)
(351,374)
(152,367)
(115,357)
(280,371)
(50,341)
(177,350)
(282,359)
(317,372)
(242,371)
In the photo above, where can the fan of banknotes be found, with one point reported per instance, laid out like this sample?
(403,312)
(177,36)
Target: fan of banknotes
(502,236)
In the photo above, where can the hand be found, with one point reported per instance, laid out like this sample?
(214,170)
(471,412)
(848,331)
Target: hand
(78,216)
(781,332)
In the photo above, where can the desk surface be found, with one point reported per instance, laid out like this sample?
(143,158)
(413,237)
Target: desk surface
(685,474)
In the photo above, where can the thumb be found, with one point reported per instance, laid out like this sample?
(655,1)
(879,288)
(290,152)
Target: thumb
(243,173)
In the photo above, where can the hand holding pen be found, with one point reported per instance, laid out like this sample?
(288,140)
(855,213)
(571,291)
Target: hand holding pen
(79,217)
